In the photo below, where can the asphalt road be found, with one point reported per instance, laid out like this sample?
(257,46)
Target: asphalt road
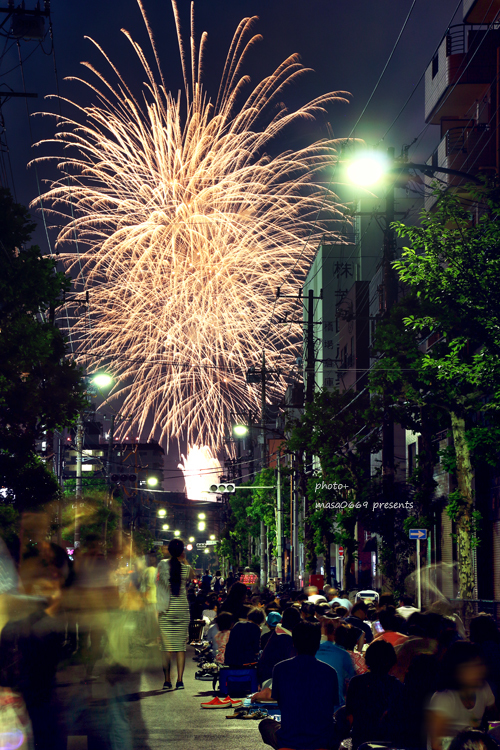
(155,717)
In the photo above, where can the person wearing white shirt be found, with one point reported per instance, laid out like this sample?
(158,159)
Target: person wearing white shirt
(406,608)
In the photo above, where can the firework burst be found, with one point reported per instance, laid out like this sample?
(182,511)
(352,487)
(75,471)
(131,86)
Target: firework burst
(174,218)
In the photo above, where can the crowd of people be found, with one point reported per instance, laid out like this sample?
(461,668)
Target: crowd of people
(342,671)
(351,671)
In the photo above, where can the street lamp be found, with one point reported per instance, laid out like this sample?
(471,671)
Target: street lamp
(367,169)
(152,481)
(165,527)
(201,526)
(212,536)
(191,538)
(177,533)
(206,550)
(102,380)
(240,430)
(162,512)
(201,516)
(189,547)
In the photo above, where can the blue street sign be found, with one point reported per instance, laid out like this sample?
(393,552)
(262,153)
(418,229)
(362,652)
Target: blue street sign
(418,534)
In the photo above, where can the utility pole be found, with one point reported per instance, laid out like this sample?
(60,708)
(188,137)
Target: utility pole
(78,484)
(279,522)
(263,530)
(390,297)
(310,361)
(253,376)
(263,411)
(309,397)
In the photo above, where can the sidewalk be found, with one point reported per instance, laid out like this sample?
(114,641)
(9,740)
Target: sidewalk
(156,717)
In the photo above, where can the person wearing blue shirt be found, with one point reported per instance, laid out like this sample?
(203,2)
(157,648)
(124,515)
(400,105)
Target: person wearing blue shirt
(336,656)
(307,693)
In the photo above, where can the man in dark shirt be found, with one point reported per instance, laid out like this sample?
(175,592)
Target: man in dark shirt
(307,692)
(357,619)
(243,645)
(279,647)
(374,699)
(206,581)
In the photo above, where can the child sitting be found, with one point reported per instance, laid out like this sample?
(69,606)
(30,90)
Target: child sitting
(224,622)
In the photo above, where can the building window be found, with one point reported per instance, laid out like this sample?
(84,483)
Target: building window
(435,65)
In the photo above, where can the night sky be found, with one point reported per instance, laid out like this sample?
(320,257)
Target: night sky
(346,44)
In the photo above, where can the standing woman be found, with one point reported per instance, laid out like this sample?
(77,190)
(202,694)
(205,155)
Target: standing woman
(173,610)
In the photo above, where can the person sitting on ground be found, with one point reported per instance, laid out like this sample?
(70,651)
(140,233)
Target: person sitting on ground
(279,647)
(484,633)
(209,613)
(340,611)
(339,600)
(406,608)
(320,610)
(473,739)
(235,602)
(357,619)
(374,699)
(420,684)
(308,612)
(313,595)
(307,694)
(385,600)
(350,638)
(272,619)
(299,596)
(465,699)
(336,656)
(392,625)
(224,623)
(243,646)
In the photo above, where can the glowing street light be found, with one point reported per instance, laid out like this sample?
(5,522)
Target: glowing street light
(177,533)
(201,526)
(368,169)
(189,547)
(162,512)
(240,430)
(152,481)
(201,516)
(191,538)
(206,550)
(165,527)
(102,380)
(212,536)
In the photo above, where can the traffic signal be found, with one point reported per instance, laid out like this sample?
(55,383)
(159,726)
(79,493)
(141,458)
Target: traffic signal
(221,489)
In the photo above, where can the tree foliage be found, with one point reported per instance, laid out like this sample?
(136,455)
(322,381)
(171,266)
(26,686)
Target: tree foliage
(453,264)
(341,430)
(40,387)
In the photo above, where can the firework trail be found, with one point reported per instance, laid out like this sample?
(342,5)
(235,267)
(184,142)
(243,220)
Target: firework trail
(185,228)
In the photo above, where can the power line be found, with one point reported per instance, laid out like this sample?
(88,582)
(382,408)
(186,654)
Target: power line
(415,87)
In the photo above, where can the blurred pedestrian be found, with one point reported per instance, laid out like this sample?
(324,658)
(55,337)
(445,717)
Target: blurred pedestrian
(173,608)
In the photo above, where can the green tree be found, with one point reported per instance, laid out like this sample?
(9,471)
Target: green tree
(453,264)
(339,428)
(40,387)
(96,516)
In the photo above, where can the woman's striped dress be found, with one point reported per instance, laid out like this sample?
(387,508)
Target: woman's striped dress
(174,623)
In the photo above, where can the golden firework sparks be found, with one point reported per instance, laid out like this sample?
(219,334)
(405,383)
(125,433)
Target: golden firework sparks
(186,226)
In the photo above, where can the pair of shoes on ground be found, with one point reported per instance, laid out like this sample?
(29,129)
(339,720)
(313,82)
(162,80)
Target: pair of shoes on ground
(223,703)
(208,672)
(245,714)
(179,685)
